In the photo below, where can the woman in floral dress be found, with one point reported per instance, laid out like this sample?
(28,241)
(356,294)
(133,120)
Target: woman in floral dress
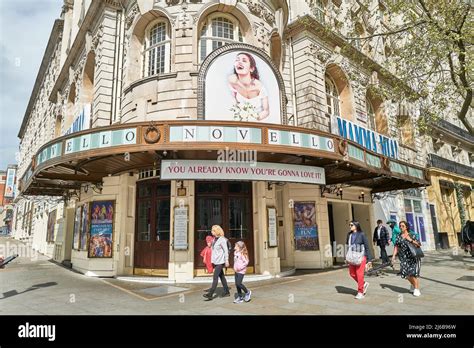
(409,265)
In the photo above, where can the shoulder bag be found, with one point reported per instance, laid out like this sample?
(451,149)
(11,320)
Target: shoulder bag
(354,257)
(415,251)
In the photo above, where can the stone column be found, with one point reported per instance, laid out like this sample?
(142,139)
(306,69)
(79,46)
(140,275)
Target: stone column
(266,258)
(125,230)
(181,262)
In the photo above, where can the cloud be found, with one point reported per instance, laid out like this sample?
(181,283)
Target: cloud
(25,26)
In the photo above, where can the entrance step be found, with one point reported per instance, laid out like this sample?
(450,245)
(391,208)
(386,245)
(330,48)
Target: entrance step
(205,280)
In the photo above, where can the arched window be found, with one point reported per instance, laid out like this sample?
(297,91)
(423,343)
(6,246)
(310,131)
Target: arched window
(332,97)
(405,125)
(70,108)
(87,90)
(370,115)
(376,118)
(217,31)
(157,49)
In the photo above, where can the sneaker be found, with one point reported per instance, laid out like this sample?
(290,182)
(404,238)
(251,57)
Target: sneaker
(359,296)
(412,289)
(416,292)
(238,300)
(247,296)
(226,294)
(366,285)
(207,290)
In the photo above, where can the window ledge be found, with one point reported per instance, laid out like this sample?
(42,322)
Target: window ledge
(409,147)
(148,79)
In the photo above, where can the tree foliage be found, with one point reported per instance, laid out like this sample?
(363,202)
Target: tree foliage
(428,44)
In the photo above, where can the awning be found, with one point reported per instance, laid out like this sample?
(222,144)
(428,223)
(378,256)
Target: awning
(87,156)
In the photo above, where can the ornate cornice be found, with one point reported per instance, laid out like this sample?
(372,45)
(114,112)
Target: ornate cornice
(131,16)
(258,9)
(179,2)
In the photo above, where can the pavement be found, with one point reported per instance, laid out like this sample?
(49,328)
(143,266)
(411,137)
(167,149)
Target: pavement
(37,285)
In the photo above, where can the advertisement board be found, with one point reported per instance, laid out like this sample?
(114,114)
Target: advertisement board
(241,85)
(304,226)
(10,183)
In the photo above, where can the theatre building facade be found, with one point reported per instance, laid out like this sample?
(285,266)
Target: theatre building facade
(151,121)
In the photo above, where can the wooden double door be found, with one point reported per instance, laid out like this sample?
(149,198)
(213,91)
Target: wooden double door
(228,204)
(152,232)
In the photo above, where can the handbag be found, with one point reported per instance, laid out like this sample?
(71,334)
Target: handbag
(354,257)
(415,251)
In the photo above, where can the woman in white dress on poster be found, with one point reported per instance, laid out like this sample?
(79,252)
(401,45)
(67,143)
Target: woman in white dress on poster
(249,94)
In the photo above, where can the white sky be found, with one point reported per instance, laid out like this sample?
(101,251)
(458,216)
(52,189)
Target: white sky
(25,26)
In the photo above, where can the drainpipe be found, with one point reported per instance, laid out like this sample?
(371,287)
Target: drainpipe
(122,58)
(293,84)
(120,61)
(118,58)
(292,72)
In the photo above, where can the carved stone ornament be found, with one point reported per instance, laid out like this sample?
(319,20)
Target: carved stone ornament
(322,55)
(131,16)
(183,19)
(258,9)
(33,163)
(177,2)
(342,147)
(98,35)
(79,69)
(262,35)
(152,134)
(386,163)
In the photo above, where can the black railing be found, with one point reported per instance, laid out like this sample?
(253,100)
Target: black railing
(450,166)
(453,129)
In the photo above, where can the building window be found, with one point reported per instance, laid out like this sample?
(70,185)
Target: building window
(216,32)
(407,135)
(319,10)
(376,118)
(370,115)
(332,98)
(467,203)
(415,218)
(157,49)
(446,195)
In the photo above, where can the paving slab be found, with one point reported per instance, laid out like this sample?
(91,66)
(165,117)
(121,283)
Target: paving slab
(38,286)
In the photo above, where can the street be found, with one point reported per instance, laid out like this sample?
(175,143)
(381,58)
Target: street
(35,285)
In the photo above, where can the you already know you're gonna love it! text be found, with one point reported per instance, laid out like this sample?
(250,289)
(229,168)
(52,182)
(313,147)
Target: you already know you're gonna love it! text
(261,171)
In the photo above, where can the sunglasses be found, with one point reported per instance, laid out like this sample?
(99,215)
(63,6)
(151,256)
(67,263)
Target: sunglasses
(351,224)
